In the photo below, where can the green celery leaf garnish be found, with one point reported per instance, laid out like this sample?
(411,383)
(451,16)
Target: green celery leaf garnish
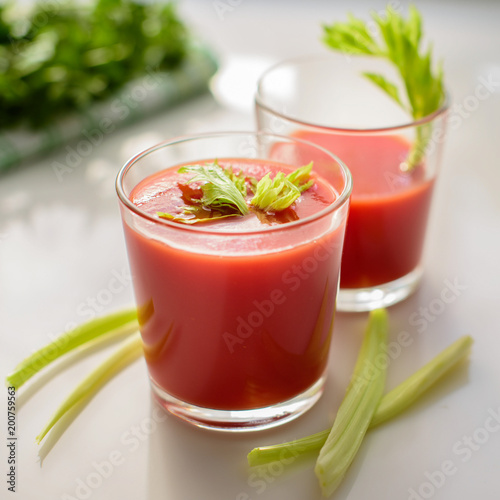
(400,44)
(275,194)
(224,192)
(238,179)
(223,195)
(281,192)
(301,177)
(219,190)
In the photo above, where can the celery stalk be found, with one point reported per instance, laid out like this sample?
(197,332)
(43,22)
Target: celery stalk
(406,393)
(357,408)
(128,351)
(390,406)
(67,342)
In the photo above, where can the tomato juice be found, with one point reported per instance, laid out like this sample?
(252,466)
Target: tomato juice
(237,313)
(388,211)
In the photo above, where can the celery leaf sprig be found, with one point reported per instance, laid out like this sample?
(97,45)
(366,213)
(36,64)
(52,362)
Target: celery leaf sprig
(400,44)
(219,190)
(282,191)
(224,192)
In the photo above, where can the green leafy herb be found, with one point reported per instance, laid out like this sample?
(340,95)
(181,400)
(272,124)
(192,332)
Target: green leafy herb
(238,179)
(281,192)
(219,190)
(224,192)
(401,45)
(222,195)
(302,177)
(62,56)
(274,194)
(391,404)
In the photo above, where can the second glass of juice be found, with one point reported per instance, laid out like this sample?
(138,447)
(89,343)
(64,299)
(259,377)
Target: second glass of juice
(236,314)
(394,161)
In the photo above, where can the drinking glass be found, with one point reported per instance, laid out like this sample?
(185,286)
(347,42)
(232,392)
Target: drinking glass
(394,161)
(236,323)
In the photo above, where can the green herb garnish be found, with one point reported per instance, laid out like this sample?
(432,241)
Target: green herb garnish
(301,177)
(282,191)
(223,195)
(238,179)
(400,44)
(219,189)
(224,192)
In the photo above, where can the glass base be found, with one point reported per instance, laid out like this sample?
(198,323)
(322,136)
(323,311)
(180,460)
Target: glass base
(385,295)
(241,420)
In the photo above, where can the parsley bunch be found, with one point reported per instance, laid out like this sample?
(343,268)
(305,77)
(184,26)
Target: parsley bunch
(62,56)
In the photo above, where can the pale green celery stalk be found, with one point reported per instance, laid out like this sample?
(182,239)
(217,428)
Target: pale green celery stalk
(68,341)
(276,452)
(390,406)
(414,386)
(417,152)
(357,408)
(128,351)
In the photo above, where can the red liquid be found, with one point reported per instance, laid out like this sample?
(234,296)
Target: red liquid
(234,331)
(389,208)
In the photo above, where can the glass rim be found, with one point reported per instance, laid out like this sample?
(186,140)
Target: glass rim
(338,202)
(295,61)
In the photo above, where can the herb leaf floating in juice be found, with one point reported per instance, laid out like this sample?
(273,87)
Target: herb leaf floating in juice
(219,189)
(279,193)
(224,192)
(222,195)
(400,44)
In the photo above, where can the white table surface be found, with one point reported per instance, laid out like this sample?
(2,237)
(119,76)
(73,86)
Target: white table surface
(61,246)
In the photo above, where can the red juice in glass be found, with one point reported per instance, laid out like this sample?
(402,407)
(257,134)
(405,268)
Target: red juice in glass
(393,158)
(389,208)
(236,314)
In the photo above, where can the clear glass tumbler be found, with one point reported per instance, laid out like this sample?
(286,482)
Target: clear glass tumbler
(393,159)
(236,319)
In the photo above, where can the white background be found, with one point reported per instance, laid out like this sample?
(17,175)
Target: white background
(61,246)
